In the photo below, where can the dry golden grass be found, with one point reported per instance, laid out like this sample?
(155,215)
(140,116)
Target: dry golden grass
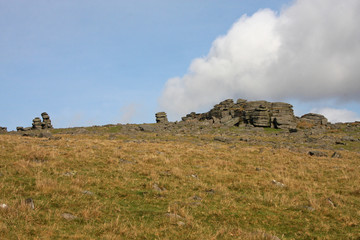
(168,187)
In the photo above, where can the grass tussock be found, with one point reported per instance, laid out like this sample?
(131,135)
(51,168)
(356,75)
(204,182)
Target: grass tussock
(170,187)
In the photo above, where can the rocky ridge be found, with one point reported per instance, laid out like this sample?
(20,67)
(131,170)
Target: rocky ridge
(255,113)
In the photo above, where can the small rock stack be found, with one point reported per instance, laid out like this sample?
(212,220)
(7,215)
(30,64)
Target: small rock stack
(36,125)
(46,123)
(161,117)
(3,130)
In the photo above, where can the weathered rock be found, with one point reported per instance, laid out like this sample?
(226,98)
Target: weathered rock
(45,134)
(318,154)
(279,184)
(69,216)
(3,130)
(255,113)
(314,118)
(336,155)
(46,123)
(19,129)
(282,116)
(222,139)
(260,117)
(157,188)
(148,128)
(30,203)
(161,117)
(36,123)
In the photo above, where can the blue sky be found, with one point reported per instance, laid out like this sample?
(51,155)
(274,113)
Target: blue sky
(92,62)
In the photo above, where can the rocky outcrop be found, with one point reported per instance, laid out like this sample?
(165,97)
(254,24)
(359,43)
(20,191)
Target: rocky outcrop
(3,130)
(243,112)
(314,118)
(37,124)
(161,117)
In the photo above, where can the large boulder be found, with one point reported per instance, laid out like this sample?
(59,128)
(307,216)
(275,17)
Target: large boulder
(314,118)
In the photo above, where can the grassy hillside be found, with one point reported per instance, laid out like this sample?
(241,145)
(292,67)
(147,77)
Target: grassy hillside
(112,185)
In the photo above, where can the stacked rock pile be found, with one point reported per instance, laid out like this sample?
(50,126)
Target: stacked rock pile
(161,117)
(46,123)
(36,123)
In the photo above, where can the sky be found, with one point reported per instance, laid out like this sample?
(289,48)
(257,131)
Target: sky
(92,62)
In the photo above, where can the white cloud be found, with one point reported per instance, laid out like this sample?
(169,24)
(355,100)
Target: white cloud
(337,115)
(309,51)
(128,112)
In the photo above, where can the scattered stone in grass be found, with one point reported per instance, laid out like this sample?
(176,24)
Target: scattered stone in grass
(157,188)
(196,203)
(87,192)
(173,215)
(222,139)
(38,160)
(68,216)
(165,173)
(196,197)
(180,223)
(348,138)
(123,161)
(308,208)
(331,202)
(3,206)
(30,203)
(210,191)
(317,154)
(70,174)
(193,175)
(258,169)
(244,139)
(45,135)
(264,235)
(336,155)
(279,184)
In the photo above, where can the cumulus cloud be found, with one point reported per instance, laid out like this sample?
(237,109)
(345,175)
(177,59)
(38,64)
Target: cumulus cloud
(337,115)
(309,51)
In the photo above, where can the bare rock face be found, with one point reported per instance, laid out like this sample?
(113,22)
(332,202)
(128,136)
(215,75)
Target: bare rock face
(314,118)
(282,115)
(161,117)
(254,113)
(260,117)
